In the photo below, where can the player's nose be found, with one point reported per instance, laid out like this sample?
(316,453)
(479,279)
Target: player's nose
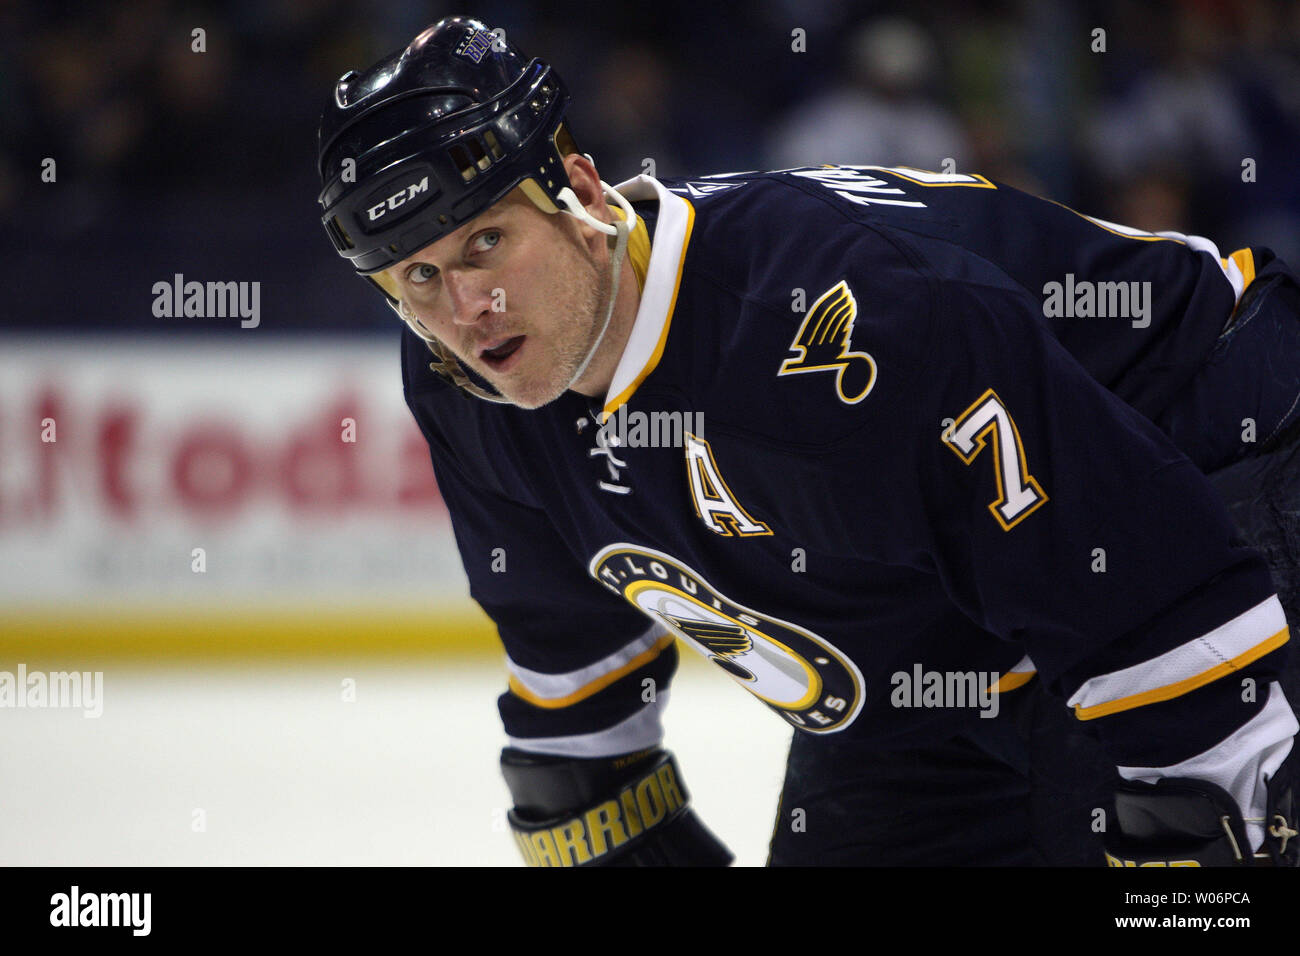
(467,295)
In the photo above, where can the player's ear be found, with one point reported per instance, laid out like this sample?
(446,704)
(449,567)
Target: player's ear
(585,181)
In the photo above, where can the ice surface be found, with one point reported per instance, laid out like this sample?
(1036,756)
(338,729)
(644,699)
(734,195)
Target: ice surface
(285,772)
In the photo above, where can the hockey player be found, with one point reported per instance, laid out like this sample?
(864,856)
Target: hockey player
(870,440)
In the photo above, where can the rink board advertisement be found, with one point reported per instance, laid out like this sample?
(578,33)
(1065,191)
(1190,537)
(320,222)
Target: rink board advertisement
(220,494)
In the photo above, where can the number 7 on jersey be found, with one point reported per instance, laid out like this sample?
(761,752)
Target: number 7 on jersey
(986,422)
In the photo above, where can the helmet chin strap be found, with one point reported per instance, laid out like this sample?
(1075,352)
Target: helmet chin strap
(617,233)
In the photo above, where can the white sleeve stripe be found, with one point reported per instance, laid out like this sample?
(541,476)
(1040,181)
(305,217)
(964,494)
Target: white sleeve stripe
(1211,651)
(643,729)
(1233,272)
(1230,269)
(553,686)
(1239,763)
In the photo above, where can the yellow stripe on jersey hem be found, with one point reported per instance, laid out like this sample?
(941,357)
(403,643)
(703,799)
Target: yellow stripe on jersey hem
(600,683)
(653,362)
(1179,688)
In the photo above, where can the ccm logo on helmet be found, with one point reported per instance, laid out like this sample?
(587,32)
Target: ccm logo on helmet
(398,198)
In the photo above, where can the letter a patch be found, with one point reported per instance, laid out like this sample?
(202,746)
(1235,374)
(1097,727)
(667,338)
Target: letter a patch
(822,345)
(714,502)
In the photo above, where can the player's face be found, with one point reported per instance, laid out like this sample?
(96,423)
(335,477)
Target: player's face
(515,293)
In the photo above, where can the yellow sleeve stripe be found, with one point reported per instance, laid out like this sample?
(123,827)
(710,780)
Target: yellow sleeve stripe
(1245,261)
(1012,680)
(1186,686)
(1241,262)
(600,683)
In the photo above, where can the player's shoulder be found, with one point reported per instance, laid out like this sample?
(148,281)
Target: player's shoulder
(439,407)
(806,307)
(764,206)
(755,232)
(933,223)
(791,310)
(468,433)
(864,194)
(437,403)
(417,376)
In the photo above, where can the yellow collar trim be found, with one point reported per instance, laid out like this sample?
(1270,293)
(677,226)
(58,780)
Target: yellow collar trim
(645,345)
(638,248)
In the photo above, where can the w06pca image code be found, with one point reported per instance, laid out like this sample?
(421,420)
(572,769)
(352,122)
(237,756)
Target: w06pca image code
(1178,897)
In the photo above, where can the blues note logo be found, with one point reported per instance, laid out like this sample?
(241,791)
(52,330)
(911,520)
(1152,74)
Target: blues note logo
(823,344)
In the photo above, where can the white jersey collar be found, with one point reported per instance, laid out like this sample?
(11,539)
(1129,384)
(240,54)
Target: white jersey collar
(645,346)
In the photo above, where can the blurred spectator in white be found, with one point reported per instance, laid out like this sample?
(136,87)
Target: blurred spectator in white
(883,114)
(1183,111)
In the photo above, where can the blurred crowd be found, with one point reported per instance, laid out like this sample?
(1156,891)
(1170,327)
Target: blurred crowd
(1177,115)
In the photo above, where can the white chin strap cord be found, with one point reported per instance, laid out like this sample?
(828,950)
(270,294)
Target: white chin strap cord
(618,231)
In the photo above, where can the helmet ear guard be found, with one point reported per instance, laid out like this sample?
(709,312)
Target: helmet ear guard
(445,362)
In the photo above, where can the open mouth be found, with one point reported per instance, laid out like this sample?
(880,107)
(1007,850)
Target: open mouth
(499,356)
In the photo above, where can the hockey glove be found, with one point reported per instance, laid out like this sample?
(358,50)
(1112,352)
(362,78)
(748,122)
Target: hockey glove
(629,810)
(1184,822)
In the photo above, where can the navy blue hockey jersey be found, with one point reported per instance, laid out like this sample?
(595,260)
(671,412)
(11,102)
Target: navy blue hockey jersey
(870,422)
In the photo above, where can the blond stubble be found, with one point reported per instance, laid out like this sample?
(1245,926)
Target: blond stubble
(581,300)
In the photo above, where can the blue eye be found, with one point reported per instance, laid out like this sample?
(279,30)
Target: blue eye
(493,235)
(421,274)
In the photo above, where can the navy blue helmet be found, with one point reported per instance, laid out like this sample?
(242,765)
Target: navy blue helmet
(432,135)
